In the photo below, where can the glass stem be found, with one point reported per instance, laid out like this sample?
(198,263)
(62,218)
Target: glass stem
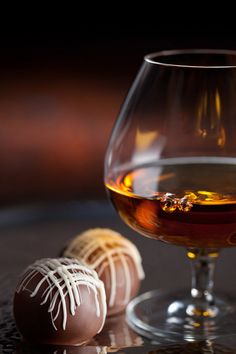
(203,266)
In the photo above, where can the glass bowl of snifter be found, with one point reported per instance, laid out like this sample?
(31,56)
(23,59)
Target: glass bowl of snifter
(170,171)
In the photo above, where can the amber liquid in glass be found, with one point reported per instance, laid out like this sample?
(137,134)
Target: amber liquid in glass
(191,204)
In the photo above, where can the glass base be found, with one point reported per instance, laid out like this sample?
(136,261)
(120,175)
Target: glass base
(163,316)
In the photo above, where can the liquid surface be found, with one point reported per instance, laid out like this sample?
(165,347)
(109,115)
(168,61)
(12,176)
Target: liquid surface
(190,204)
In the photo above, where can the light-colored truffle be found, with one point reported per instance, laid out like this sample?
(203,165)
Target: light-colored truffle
(116,260)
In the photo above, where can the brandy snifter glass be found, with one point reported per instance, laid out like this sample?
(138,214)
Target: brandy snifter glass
(170,171)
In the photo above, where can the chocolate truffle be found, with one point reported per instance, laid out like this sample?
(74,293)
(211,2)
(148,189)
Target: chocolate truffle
(116,260)
(59,301)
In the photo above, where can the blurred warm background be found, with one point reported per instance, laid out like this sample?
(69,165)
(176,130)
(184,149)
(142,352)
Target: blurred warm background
(60,92)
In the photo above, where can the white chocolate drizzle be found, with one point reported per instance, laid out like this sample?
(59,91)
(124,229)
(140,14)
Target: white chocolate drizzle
(99,248)
(64,277)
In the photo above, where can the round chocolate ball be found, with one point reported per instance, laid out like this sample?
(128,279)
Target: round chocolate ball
(116,260)
(59,301)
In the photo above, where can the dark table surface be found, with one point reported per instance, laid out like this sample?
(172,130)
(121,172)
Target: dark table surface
(33,232)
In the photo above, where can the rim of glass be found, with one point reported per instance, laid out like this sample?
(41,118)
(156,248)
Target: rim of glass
(149,58)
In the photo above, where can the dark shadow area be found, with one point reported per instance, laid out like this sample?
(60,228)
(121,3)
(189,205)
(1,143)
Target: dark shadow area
(60,93)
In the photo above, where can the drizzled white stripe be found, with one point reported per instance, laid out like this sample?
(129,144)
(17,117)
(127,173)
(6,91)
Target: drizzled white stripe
(98,248)
(64,277)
